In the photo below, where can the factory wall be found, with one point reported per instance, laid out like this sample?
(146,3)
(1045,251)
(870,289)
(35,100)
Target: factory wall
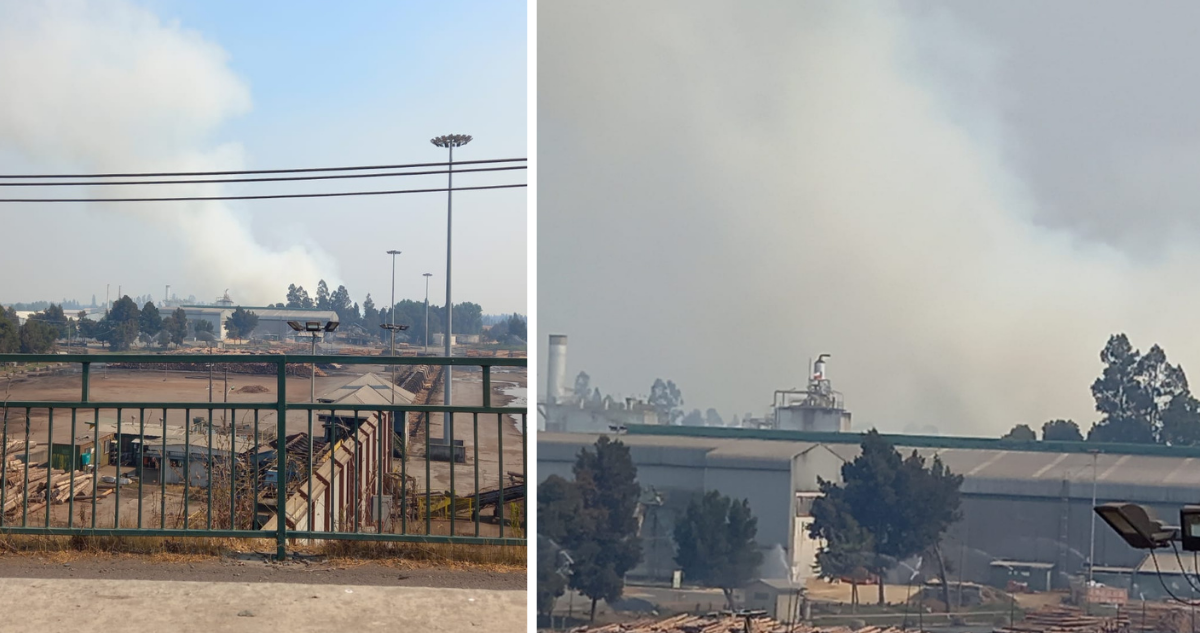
(1027,516)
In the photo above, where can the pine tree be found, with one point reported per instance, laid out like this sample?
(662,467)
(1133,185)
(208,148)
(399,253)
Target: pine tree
(715,544)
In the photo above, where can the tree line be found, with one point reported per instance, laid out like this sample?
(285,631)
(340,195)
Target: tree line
(468,317)
(588,532)
(1141,398)
(886,508)
(124,325)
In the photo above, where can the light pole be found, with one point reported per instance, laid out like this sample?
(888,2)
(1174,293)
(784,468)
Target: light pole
(314,328)
(449,142)
(427,276)
(1092,544)
(392,330)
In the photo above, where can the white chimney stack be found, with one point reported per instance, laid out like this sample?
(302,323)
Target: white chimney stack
(558,369)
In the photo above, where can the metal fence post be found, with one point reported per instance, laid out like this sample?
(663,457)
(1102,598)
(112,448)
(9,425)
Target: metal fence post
(281,463)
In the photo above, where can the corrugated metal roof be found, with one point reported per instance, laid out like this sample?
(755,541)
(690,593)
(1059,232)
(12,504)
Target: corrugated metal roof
(374,381)
(294,314)
(998,471)
(1168,563)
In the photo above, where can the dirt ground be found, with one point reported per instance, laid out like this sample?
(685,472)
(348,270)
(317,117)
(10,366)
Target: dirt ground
(252,568)
(125,385)
(494,430)
(841,592)
(151,386)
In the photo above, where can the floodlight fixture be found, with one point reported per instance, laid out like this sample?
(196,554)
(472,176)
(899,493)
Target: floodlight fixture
(1189,528)
(1137,525)
(451,140)
(331,326)
(295,326)
(312,326)
(393,252)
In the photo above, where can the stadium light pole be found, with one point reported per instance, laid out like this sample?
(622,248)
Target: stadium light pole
(1092,544)
(314,328)
(392,330)
(449,142)
(427,276)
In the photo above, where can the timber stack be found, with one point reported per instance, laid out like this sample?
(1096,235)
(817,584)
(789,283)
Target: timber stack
(39,485)
(725,623)
(1064,619)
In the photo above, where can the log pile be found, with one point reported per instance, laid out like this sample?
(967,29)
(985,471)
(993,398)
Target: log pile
(53,486)
(724,623)
(1064,619)
(1159,617)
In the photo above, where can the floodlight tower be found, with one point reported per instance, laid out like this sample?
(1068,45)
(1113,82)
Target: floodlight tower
(392,329)
(427,276)
(314,328)
(449,141)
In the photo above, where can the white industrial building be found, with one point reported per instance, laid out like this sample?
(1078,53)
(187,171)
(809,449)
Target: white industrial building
(272,322)
(575,413)
(818,407)
(1028,502)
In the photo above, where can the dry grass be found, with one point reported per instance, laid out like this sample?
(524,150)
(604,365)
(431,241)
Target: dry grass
(345,553)
(497,557)
(157,546)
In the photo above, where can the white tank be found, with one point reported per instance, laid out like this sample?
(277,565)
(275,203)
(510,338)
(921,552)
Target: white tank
(557,370)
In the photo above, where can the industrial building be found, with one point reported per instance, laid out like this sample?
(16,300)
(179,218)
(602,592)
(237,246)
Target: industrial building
(566,412)
(272,322)
(817,407)
(1023,502)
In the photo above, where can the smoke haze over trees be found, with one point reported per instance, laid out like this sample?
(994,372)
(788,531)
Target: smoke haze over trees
(129,86)
(911,187)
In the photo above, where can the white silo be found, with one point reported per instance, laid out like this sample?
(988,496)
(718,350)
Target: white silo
(557,371)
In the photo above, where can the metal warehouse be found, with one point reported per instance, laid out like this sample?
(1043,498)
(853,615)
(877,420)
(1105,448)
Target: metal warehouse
(271,321)
(1026,502)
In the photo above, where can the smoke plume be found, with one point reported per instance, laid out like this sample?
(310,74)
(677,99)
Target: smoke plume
(726,193)
(109,87)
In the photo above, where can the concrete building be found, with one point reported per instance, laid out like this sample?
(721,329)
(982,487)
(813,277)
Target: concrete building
(817,408)
(357,449)
(783,600)
(272,322)
(585,416)
(1022,501)
(563,411)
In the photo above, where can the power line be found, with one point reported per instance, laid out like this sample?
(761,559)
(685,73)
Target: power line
(231,180)
(337,194)
(261,171)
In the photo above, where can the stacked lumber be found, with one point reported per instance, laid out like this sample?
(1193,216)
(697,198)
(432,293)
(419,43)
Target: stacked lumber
(17,447)
(37,486)
(1064,619)
(723,623)
(1159,617)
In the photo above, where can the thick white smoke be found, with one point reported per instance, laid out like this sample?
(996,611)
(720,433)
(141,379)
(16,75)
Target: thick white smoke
(728,192)
(107,86)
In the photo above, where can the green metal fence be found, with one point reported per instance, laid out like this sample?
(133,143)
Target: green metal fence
(358,481)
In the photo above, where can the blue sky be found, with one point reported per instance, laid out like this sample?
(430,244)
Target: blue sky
(328,84)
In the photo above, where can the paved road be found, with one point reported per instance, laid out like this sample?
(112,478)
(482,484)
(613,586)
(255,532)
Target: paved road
(102,593)
(39,604)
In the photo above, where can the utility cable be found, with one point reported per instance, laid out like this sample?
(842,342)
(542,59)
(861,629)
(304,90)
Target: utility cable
(1182,569)
(338,194)
(262,171)
(1158,572)
(271,179)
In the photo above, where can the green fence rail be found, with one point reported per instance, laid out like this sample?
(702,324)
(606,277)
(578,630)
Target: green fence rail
(352,478)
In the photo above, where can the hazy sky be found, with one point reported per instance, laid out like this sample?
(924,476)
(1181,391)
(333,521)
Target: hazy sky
(959,201)
(165,85)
